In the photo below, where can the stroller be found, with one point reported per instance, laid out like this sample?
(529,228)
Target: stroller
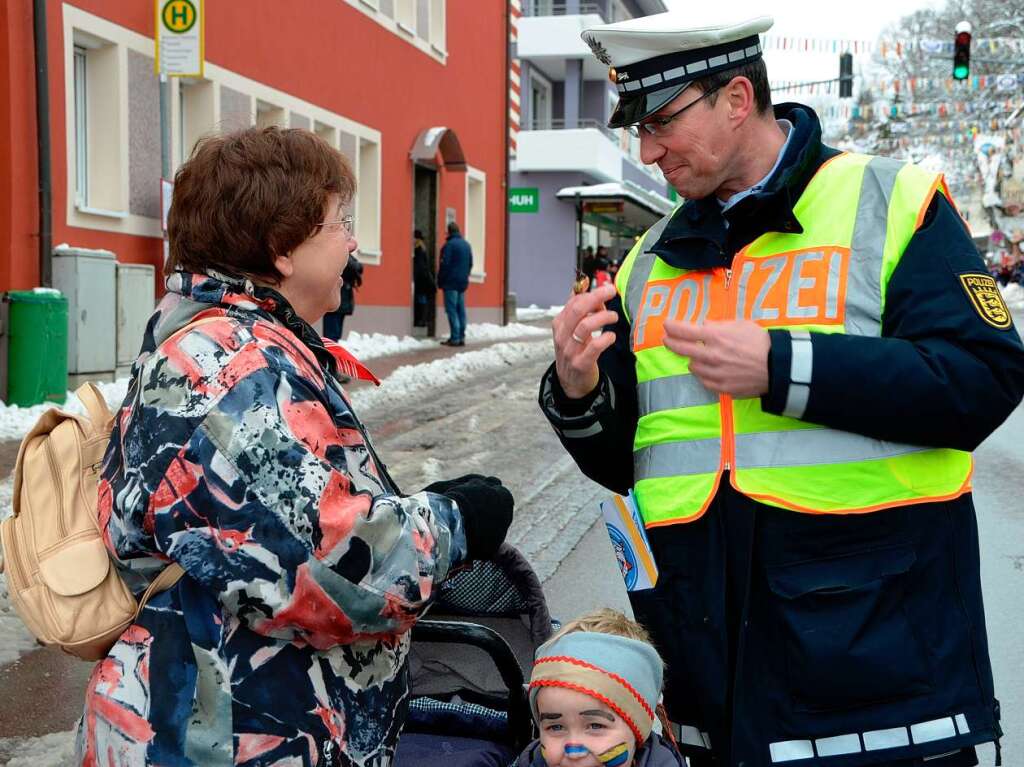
(468,662)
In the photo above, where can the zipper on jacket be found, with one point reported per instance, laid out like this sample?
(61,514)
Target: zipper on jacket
(725,400)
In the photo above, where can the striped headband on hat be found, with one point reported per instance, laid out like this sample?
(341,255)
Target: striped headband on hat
(624,674)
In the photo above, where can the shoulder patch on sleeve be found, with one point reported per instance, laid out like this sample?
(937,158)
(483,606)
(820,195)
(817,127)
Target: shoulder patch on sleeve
(983,291)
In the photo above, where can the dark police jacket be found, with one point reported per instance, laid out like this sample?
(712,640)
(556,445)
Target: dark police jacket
(834,639)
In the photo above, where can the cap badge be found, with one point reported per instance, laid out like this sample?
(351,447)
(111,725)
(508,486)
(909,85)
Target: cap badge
(599,50)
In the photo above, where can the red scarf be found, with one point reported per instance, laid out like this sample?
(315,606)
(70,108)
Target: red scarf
(348,364)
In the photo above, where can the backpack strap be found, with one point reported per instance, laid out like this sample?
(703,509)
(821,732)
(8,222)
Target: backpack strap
(95,405)
(165,580)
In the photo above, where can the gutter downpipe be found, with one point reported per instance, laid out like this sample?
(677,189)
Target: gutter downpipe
(506,105)
(43,134)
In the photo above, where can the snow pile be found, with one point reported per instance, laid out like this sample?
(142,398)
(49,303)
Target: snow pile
(486,331)
(53,750)
(1013,294)
(16,421)
(367,346)
(534,312)
(413,379)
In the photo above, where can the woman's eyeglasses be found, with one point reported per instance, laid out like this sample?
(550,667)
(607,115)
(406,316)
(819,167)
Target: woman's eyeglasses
(348,223)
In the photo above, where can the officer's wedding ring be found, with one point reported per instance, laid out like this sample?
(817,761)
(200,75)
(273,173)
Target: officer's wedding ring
(577,339)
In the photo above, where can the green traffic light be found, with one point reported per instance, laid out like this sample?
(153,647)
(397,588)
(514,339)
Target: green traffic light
(960,72)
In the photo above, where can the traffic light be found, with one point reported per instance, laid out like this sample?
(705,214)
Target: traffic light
(962,51)
(845,75)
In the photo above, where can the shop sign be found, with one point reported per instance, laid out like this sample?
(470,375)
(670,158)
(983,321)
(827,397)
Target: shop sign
(523,199)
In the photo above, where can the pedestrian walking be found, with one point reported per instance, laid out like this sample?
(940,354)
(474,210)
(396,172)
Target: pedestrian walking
(424,285)
(237,455)
(351,280)
(453,279)
(794,367)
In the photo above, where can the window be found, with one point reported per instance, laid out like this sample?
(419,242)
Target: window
(81,129)
(437,23)
(98,69)
(196,114)
(476,218)
(405,15)
(268,115)
(367,202)
(540,102)
(419,22)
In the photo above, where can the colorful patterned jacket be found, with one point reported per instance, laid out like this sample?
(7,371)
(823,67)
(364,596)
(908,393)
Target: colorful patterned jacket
(236,455)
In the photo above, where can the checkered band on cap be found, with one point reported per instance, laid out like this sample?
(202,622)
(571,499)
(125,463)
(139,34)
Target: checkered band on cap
(662,72)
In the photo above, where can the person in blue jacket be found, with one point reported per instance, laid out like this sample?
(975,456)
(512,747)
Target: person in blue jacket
(453,279)
(828,633)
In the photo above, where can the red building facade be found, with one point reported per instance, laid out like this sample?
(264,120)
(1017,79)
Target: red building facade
(414,92)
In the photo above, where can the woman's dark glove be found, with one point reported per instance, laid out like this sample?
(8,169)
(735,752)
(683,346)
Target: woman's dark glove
(486,506)
(441,487)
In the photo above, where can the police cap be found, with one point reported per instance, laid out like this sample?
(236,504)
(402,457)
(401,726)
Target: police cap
(653,58)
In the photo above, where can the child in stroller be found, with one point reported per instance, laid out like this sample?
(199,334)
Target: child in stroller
(594,694)
(469,659)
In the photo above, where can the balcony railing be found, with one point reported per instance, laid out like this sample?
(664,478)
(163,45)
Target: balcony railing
(558,8)
(583,122)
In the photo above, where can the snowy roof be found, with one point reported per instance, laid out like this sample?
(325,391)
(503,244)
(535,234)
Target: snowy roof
(616,190)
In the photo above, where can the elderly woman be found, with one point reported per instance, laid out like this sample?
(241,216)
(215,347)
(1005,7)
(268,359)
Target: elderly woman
(237,456)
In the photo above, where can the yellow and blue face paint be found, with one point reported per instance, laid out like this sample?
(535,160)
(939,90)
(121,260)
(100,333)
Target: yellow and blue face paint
(616,756)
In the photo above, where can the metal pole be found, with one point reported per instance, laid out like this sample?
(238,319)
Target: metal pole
(579,234)
(165,126)
(43,148)
(165,146)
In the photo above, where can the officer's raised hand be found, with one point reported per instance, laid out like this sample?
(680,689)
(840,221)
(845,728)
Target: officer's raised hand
(727,357)
(576,350)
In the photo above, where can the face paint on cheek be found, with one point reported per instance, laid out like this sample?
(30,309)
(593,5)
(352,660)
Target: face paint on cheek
(616,756)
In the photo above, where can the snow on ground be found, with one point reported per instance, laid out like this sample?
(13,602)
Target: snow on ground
(15,639)
(367,346)
(56,749)
(16,421)
(486,331)
(1013,294)
(534,312)
(442,373)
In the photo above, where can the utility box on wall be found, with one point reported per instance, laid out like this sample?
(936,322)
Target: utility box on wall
(88,279)
(135,290)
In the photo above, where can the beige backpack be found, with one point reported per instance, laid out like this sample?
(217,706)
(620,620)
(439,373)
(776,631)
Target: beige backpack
(60,577)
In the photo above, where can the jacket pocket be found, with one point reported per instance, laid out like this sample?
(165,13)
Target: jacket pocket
(848,639)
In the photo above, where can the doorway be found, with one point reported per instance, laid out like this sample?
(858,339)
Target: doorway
(425,220)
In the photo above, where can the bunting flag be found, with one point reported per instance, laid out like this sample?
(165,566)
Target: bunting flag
(888,48)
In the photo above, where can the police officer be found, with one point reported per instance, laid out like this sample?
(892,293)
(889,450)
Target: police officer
(790,374)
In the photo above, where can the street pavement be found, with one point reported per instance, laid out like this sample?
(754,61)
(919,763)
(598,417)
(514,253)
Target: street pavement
(491,424)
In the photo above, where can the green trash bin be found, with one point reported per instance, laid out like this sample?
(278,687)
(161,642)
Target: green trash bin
(37,350)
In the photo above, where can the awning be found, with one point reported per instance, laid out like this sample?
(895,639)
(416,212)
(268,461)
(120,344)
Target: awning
(623,208)
(438,139)
(652,202)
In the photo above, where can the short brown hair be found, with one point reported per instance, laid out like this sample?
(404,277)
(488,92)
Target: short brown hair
(755,71)
(243,198)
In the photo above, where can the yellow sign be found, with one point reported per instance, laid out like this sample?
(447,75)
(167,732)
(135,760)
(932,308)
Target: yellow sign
(179,38)
(987,300)
(179,16)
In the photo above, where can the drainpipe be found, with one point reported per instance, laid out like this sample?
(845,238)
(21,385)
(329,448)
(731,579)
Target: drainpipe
(43,135)
(506,307)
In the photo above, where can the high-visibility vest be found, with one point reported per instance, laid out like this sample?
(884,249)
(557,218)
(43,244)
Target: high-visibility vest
(858,213)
